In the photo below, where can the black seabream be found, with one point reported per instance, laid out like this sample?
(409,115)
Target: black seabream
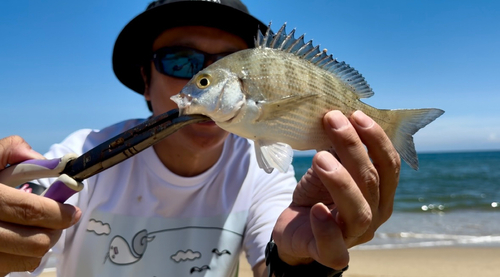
(277,94)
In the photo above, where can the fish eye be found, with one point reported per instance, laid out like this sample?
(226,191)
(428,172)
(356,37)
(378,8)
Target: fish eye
(203,81)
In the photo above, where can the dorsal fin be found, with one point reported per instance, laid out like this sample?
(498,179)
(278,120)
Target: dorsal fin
(307,51)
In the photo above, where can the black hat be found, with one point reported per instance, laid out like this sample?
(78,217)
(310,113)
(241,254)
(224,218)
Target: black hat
(133,45)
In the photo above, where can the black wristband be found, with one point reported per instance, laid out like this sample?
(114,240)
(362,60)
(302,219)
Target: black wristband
(281,269)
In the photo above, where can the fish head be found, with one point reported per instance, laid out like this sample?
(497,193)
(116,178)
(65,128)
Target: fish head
(215,93)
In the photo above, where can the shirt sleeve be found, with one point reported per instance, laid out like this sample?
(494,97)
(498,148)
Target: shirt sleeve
(272,193)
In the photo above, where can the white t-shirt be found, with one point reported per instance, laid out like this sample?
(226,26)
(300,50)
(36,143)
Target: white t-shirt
(140,219)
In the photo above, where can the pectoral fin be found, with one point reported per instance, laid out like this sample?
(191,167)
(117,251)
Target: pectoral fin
(272,109)
(273,155)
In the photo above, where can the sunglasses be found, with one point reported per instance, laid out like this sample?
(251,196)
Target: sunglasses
(183,62)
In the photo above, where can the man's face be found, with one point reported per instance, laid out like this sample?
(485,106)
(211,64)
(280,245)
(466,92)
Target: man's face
(162,87)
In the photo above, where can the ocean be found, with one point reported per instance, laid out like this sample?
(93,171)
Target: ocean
(452,200)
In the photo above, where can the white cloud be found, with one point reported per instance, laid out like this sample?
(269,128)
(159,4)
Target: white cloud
(459,133)
(493,137)
(188,255)
(98,227)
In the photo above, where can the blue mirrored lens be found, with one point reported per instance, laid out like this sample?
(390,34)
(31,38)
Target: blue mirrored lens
(182,64)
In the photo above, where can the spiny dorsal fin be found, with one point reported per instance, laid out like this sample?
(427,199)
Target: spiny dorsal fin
(307,51)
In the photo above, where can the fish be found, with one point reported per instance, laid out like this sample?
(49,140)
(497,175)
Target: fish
(277,93)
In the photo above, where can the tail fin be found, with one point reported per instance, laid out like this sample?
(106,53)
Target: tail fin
(410,121)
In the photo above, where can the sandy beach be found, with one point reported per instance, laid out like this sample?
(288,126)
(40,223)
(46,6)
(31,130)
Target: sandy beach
(412,262)
(418,262)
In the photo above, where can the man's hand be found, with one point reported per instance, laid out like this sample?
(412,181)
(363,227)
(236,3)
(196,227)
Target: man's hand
(29,224)
(344,197)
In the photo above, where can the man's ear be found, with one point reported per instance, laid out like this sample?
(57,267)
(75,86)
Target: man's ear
(145,79)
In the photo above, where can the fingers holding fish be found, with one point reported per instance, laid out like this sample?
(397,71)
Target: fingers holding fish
(311,190)
(386,160)
(352,212)
(329,246)
(352,153)
(374,169)
(348,185)
(305,234)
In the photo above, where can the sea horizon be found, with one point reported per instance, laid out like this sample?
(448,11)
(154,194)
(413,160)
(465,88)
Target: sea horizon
(445,151)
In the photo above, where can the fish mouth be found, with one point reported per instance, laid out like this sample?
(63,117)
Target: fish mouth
(183,101)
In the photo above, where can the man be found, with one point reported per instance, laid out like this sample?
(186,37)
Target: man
(192,202)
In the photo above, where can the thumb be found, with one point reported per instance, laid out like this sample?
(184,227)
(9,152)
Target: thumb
(330,249)
(15,149)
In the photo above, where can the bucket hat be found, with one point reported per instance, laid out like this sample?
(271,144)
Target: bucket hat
(133,45)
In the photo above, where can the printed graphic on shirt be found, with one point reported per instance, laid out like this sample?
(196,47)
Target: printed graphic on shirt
(122,252)
(188,255)
(98,227)
(181,247)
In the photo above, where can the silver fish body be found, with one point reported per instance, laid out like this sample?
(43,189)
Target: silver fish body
(277,94)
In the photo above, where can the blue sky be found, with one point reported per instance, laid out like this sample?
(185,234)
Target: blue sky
(56,75)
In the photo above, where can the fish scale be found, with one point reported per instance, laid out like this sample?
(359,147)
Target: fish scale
(288,128)
(277,94)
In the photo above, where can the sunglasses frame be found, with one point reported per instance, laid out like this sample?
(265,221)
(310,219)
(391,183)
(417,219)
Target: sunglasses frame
(159,56)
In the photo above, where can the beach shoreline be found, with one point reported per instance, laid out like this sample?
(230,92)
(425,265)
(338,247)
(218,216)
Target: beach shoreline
(409,262)
(429,262)
(418,262)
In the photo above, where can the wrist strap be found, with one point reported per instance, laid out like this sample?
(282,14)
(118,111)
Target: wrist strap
(281,269)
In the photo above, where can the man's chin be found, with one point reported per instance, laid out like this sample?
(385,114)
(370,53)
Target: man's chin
(204,133)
